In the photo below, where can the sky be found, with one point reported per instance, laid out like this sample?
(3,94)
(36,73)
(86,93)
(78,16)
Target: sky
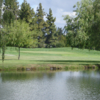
(59,8)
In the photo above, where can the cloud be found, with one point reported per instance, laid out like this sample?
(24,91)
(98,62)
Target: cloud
(60,22)
(69,13)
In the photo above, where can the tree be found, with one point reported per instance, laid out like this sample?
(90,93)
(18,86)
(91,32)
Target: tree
(1,12)
(11,10)
(1,1)
(9,7)
(20,35)
(41,25)
(26,12)
(3,33)
(3,41)
(95,25)
(51,33)
(79,26)
(61,38)
(8,17)
(72,31)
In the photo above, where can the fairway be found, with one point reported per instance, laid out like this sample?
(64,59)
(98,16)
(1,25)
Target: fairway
(65,56)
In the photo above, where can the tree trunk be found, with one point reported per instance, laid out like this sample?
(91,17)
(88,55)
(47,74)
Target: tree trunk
(19,53)
(3,53)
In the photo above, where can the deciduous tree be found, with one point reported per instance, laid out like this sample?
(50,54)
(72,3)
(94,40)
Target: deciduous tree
(20,35)
(79,27)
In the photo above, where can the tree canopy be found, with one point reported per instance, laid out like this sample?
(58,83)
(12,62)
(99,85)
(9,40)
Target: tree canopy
(20,35)
(52,34)
(83,28)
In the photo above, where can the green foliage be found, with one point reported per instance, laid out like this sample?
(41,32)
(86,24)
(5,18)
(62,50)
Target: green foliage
(20,35)
(41,26)
(95,26)
(3,41)
(80,27)
(1,1)
(52,38)
(60,44)
(1,8)
(26,12)
(10,11)
(8,16)
(88,14)
(61,38)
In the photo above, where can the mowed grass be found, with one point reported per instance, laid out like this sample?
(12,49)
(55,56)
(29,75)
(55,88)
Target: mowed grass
(65,56)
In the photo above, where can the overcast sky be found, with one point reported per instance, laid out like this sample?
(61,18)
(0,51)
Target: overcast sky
(59,8)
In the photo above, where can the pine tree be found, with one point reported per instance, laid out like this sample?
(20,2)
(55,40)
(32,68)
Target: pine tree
(41,26)
(52,34)
(12,5)
(8,17)
(26,12)
(10,11)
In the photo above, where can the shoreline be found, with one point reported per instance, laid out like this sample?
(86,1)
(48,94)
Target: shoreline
(34,67)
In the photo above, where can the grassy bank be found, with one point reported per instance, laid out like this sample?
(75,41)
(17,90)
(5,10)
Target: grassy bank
(47,57)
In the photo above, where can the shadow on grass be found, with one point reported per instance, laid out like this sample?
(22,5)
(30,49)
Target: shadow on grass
(69,61)
(89,61)
(82,62)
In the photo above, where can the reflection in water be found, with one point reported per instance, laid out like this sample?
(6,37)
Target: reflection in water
(24,76)
(66,85)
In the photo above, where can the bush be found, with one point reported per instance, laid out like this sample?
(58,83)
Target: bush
(60,44)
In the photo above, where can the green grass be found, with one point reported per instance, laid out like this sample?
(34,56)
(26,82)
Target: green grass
(42,56)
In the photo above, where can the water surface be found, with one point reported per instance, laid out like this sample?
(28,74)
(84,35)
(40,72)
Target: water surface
(64,85)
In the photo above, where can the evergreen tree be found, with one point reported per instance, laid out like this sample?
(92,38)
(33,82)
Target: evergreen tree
(10,11)
(52,36)
(8,17)
(12,5)
(41,26)
(26,12)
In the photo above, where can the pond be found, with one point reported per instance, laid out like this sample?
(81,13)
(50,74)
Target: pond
(50,85)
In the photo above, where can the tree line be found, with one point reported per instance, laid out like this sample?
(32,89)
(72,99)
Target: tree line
(23,27)
(83,29)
